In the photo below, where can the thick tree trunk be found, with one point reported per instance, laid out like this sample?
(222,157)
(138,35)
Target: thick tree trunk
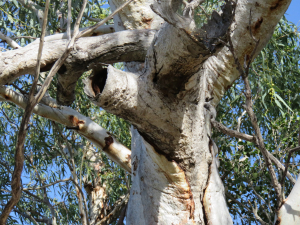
(174,169)
(175,178)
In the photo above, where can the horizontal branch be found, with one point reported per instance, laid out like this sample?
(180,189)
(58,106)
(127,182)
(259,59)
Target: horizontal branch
(89,53)
(86,127)
(232,133)
(106,29)
(48,185)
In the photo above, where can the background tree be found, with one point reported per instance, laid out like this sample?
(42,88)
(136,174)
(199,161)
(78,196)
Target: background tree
(87,182)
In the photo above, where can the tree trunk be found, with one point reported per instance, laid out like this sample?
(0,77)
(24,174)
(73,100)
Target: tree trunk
(174,167)
(175,178)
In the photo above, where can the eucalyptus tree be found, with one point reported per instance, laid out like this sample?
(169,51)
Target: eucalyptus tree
(180,58)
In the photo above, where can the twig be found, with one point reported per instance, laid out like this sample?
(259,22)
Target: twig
(291,151)
(27,37)
(16,190)
(84,200)
(232,133)
(69,20)
(19,89)
(61,60)
(47,185)
(102,22)
(9,41)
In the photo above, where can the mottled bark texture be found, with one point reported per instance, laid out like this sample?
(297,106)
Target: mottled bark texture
(173,165)
(174,169)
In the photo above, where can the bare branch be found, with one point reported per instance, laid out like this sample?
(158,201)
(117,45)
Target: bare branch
(102,22)
(69,20)
(48,185)
(232,133)
(69,117)
(115,212)
(9,41)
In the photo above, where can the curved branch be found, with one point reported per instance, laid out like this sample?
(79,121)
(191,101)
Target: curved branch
(88,53)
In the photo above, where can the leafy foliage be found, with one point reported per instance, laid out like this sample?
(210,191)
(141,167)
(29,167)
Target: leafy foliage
(274,81)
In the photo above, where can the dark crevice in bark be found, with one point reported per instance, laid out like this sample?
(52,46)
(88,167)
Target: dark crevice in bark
(47,67)
(97,81)
(209,174)
(154,145)
(155,78)
(62,69)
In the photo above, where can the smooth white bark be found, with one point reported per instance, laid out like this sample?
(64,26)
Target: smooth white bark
(85,126)
(289,213)
(109,48)
(9,41)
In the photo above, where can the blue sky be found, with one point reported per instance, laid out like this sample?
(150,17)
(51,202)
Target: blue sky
(293,12)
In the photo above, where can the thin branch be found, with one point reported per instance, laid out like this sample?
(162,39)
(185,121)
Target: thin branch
(102,22)
(16,190)
(243,206)
(69,20)
(92,19)
(254,210)
(232,133)
(246,137)
(244,74)
(9,41)
(48,185)
(27,215)
(113,213)
(27,37)
(83,213)
(81,165)
(61,60)
(291,151)
(84,200)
